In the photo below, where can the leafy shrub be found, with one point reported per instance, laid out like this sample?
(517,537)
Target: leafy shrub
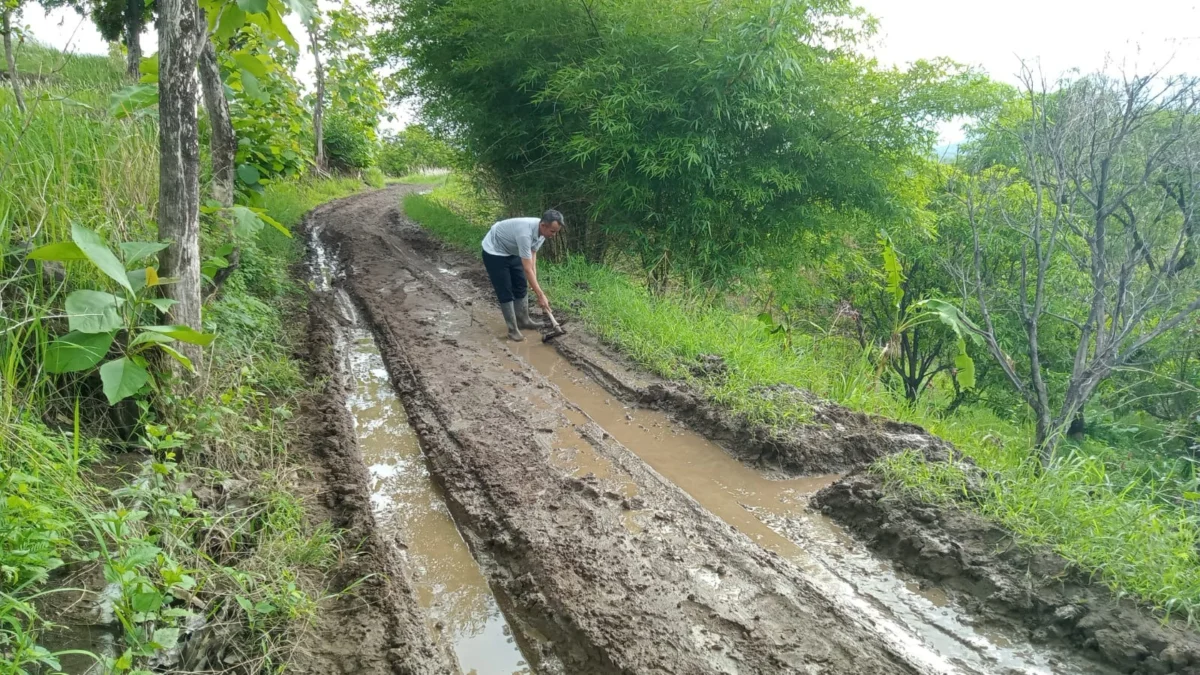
(373,177)
(414,149)
(692,134)
(346,147)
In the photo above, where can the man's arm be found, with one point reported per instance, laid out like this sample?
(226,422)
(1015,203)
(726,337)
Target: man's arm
(530,265)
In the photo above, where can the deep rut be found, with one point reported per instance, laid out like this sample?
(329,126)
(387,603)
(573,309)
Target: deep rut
(604,564)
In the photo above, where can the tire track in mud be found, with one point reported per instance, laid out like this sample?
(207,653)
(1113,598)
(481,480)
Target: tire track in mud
(697,596)
(376,628)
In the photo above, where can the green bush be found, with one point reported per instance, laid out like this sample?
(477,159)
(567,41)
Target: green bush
(414,149)
(374,177)
(691,134)
(346,147)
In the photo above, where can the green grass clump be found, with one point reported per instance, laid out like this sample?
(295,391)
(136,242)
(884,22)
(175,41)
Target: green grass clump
(1126,533)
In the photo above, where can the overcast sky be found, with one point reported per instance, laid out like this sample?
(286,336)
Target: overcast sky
(1059,35)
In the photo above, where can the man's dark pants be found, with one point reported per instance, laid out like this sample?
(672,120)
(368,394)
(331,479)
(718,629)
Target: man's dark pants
(507,275)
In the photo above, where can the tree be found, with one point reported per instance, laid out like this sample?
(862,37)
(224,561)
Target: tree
(1089,228)
(10,8)
(413,149)
(348,103)
(181,37)
(124,20)
(691,134)
(223,142)
(319,100)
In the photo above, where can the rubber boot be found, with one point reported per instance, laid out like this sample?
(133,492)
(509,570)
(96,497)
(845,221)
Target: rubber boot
(523,320)
(510,318)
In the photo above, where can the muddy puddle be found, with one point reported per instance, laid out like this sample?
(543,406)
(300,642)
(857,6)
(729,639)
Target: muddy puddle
(461,608)
(920,621)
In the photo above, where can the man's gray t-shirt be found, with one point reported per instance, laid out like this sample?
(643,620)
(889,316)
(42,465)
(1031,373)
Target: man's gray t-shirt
(515,236)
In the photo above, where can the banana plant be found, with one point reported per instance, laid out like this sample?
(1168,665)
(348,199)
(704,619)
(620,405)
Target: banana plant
(908,316)
(96,318)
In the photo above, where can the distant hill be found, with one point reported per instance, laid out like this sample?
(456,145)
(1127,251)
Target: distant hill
(946,152)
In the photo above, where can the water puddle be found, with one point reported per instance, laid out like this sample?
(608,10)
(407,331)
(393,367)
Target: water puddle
(460,606)
(449,584)
(919,622)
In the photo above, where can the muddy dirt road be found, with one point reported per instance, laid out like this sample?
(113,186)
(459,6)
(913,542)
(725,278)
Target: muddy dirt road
(613,539)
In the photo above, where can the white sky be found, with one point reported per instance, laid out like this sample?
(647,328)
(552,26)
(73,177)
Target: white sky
(1060,35)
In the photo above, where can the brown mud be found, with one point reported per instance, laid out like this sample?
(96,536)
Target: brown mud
(616,540)
(377,625)
(687,594)
(1030,591)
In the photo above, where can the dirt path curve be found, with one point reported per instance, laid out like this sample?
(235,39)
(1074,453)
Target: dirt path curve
(688,594)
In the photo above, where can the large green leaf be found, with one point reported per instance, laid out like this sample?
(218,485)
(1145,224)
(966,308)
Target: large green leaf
(252,6)
(93,311)
(274,223)
(77,351)
(953,317)
(163,304)
(149,69)
(183,360)
(122,378)
(251,63)
(231,21)
(132,99)
(166,638)
(253,88)
(61,251)
(892,271)
(151,337)
(305,9)
(248,174)
(246,223)
(184,334)
(134,251)
(94,248)
(964,367)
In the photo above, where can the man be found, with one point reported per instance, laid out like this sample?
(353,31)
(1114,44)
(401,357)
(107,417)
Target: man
(510,256)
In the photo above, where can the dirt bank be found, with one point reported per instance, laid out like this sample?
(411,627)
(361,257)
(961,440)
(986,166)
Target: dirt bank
(681,593)
(1034,591)
(837,440)
(377,627)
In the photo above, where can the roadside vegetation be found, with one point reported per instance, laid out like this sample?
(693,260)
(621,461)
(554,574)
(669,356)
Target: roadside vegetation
(163,491)
(777,203)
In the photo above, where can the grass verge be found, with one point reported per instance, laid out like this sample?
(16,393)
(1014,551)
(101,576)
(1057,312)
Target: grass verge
(213,539)
(1123,531)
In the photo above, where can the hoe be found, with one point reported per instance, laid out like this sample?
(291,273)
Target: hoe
(555,330)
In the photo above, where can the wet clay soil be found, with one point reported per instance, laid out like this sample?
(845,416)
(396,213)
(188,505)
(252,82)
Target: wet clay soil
(1033,592)
(619,541)
(460,608)
(692,596)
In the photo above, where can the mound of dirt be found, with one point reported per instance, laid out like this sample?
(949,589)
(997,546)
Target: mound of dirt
(838,439)
(1031,589)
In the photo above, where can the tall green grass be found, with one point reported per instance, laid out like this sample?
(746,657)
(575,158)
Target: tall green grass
(68,161)
(1126,533)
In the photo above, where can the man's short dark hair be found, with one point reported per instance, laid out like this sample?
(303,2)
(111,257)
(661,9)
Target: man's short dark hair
(552,216)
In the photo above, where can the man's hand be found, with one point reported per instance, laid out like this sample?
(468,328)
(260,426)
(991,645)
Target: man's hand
(543,302)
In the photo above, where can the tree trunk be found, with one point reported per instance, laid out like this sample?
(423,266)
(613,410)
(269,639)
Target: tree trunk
(179,35)
(319,105)
(224,142)
(11,61)
(135,11)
